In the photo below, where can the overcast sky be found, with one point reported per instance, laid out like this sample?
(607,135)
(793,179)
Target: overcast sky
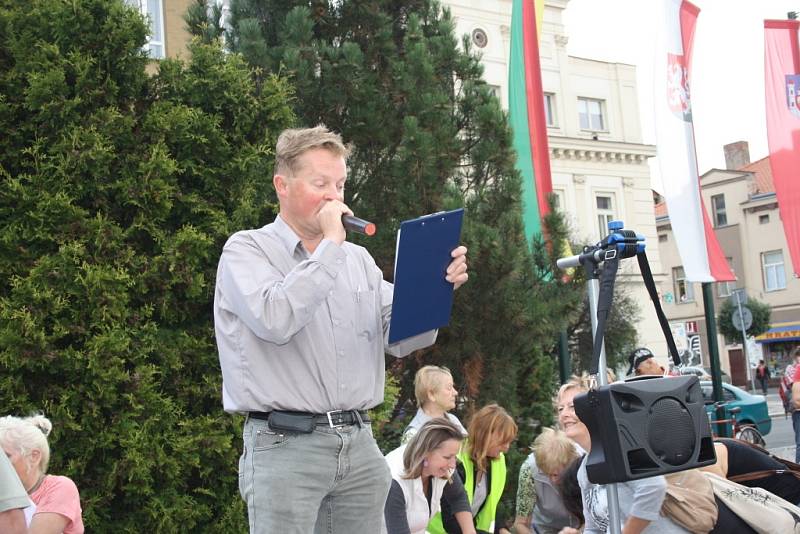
(727,72)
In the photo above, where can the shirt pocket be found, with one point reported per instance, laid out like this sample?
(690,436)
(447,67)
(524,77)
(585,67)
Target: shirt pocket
(367,318)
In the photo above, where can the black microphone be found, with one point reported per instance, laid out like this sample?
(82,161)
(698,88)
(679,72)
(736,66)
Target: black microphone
(354,224)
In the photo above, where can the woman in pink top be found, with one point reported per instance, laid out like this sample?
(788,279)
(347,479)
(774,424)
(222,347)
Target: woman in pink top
(56,503)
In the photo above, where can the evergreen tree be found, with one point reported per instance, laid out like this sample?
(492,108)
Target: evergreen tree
(429,135)
(117,191)
(620,337)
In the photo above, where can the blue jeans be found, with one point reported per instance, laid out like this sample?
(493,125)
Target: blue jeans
(796,425)
(331,481)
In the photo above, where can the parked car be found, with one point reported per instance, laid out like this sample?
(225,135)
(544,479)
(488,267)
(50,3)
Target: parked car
(704,373)
(754,409)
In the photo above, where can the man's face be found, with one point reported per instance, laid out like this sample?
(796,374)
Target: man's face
(649,367)
(318,177)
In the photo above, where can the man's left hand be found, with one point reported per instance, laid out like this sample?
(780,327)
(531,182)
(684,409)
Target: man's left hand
(457,270)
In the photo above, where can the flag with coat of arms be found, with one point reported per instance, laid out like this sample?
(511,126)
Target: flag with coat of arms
(782,85)
(702,257)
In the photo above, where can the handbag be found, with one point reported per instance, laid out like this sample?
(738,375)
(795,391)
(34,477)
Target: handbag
(690,501)
(765,512)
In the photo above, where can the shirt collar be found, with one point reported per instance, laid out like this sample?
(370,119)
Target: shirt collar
(287,236)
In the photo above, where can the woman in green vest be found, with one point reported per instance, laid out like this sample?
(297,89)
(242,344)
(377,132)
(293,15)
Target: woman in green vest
(482,468)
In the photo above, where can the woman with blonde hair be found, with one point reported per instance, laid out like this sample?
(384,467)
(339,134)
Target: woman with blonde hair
(422,477)
(639,500)
(436,396)
(482,468)
(56,503)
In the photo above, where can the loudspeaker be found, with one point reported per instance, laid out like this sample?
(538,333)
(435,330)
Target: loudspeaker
(645,427)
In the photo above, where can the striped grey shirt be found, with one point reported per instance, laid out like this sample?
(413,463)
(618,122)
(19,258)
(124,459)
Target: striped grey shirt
(299,331)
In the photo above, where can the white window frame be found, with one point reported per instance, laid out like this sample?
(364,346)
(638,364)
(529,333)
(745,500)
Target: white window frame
(550,110)
(684,289)
(725,289)
(605,215)
(585,114)
(719,212)
(773,271)
(155,48)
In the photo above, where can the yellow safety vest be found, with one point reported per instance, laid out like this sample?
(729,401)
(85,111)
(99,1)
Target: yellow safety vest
(485,518)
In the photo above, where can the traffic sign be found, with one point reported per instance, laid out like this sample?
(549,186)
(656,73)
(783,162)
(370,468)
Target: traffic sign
(743,321)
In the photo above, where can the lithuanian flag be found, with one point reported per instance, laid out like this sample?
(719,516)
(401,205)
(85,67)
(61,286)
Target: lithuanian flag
(526,111)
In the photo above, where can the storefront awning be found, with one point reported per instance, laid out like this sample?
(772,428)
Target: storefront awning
(781,332)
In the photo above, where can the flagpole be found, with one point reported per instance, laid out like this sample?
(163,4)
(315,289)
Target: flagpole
(713,351)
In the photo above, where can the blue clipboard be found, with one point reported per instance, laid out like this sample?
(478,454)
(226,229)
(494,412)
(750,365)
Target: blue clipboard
(423,299)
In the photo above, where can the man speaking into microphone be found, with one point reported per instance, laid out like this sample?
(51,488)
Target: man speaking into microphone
(301,319)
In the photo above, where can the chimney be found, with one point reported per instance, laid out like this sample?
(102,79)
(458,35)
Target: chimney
(737,155)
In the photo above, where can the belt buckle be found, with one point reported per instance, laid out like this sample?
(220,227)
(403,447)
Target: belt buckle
(330,419)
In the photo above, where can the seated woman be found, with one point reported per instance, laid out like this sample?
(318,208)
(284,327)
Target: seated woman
(639,500)
(56,503)
(539,504)
(436,396)
(422,475)
(736,460)
(482,467)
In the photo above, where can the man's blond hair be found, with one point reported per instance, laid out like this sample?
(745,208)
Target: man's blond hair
(294,142)
(553,451)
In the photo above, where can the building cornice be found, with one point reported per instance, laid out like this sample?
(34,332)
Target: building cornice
(573,148)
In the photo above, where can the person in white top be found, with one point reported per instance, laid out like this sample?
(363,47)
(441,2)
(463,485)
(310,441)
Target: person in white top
(422,474)
(436,396)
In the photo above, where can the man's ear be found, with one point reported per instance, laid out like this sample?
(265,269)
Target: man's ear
(281,183)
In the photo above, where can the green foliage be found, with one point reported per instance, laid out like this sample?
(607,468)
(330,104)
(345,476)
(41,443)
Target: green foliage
(620,337)
(117,192)
(761,318)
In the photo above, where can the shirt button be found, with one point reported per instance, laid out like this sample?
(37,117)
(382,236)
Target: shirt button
(336,322)
(339,261)
(330,293)
(341,353)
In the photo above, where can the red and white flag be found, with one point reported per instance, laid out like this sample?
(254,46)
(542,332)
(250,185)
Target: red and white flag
(701,255)
(782,84)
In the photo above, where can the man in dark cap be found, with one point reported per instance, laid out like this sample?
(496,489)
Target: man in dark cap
(643,362)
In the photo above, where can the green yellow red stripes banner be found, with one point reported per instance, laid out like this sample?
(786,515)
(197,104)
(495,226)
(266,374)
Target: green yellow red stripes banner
(526,112)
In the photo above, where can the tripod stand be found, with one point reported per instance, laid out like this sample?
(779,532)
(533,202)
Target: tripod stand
(617,245)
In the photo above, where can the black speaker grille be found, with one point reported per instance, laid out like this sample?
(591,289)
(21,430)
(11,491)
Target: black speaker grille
(670,431)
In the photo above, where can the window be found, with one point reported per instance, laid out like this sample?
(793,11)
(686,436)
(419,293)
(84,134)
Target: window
(718,205)
(495,90)
(684,290)
(708,394)
(590,112)
(549,109)
(605,212)
(662,238)
(725,289)
(774,274)
(763,219)
(153,10)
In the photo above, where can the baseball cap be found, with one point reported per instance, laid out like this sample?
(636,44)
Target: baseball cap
(637,356)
